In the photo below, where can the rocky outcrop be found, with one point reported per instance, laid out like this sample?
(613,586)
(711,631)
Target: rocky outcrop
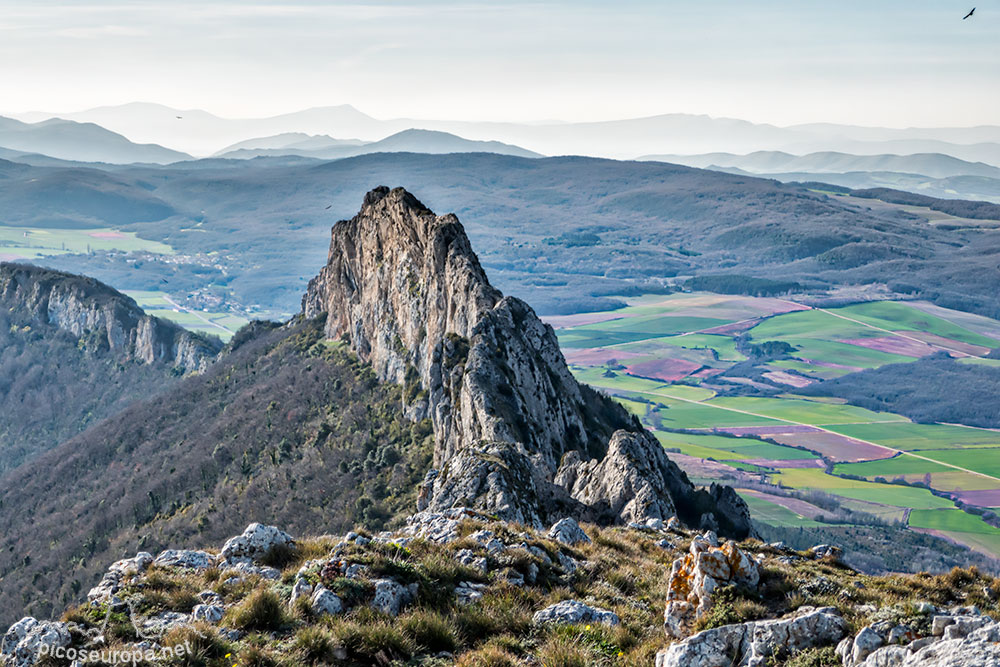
(515,434)
(28,640)
(697,574)
(756,643)
(960,637)
(101,317)
(572,612)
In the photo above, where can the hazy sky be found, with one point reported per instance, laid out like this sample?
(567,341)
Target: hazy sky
(886,62)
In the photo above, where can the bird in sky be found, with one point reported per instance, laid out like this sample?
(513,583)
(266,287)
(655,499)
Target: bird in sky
(329,207)
(969,14)
(180,117)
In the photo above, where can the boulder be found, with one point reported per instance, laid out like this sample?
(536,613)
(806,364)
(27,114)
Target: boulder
(254,543)
(28,640)
(210,613)
(132,566)
(756,643)
(568,532)
(694,576)
(979,648)
(571,612)
(468,558)
(826,551)
(391,596)
(186,558)
(440,527)
(325,602)
(300,589)
(468,592)
(163,622)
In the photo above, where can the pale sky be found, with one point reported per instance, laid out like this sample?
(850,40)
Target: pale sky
(895,63)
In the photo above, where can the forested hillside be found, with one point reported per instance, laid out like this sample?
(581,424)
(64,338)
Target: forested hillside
(288,428)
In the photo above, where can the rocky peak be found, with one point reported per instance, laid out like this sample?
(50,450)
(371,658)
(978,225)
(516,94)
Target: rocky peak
(516,435)
(101,316)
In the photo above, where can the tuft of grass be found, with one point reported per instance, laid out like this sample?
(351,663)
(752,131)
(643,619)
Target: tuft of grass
(430,631)
(281,556)
(254,656)
(259,611)
(370,639)
(488,656)
(203,642)
(564,650)
(314,645)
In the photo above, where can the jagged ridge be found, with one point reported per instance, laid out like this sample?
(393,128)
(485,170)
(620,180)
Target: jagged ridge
(88,308)
(516,435)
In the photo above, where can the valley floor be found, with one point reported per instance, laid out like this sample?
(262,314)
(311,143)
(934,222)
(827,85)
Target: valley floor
(801,459)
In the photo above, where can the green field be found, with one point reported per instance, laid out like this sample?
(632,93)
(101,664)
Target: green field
(985,460)
(872,492)
(221,324)
(912,437)
(723,448)
(32,242)
(723,345)
(632,329)
(980,361)
(896,316)
(804,412)
(951,520)
(890,468)
(776,515)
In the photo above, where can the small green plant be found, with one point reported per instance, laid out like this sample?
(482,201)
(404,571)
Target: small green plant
(815,657)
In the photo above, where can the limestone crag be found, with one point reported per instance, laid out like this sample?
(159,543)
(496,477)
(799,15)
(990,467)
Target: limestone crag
(516,435)
(958,637)
(756,643)
(103,318)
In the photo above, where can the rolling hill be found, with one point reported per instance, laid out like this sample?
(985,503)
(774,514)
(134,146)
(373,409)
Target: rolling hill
(934,165)
(203,133)
(85,142)
(407,141)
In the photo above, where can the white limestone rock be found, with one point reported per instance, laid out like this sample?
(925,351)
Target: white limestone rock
(572,612)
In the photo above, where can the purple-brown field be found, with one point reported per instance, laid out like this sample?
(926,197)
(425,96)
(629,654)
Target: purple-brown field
(668,370)
(765,431)
(788,463)
(949,344)
(595,356)
(985,498)
(893,345)
(791,379)
(839,448)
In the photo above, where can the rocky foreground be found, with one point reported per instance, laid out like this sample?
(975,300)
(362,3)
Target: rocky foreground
(459,587)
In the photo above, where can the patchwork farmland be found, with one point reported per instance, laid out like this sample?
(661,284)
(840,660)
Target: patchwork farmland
(719,381)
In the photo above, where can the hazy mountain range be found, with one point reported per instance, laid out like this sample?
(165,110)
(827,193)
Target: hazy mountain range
(85,142)
(202,133)
(932,174)
(327,148)
(961,163)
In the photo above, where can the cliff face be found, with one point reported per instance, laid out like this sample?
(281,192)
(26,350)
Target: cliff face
(516,435)
(102,316)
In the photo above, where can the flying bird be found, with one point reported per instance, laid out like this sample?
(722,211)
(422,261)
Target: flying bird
(329,207)
(179,117)
(969,14)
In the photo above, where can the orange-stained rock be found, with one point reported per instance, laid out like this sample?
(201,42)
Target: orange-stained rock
(694,577)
